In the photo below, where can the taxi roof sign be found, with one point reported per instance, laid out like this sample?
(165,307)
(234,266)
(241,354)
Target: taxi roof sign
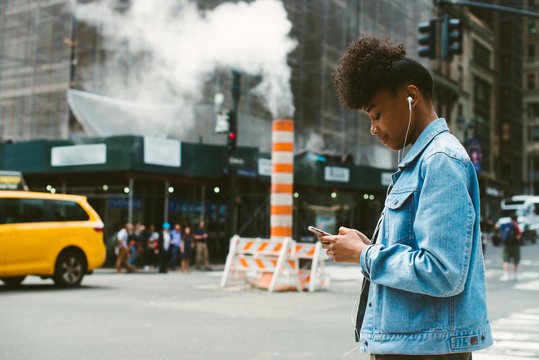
(11,180)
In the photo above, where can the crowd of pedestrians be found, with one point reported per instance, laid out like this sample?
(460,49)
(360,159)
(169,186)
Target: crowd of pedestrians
(163,249)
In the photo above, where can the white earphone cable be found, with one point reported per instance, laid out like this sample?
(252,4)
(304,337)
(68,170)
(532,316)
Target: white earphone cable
(399,158)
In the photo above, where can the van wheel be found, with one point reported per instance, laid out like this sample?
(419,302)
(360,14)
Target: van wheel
(13,281)
(70,269)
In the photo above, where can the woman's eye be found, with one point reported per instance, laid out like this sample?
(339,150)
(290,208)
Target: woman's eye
(377,117)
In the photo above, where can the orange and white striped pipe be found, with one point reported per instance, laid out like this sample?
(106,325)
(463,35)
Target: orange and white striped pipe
(282,179)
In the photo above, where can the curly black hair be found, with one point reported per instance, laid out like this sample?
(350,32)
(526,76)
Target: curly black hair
(372,64)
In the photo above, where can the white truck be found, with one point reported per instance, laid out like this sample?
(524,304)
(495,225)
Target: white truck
(526,207)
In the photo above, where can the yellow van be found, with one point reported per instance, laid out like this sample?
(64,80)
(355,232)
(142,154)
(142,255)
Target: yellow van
(50,235)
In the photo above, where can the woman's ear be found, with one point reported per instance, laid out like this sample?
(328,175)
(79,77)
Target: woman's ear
(412,92)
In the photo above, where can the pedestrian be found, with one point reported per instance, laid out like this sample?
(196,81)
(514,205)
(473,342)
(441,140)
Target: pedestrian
(175,242)
(201,244)
(139,234)
(164,245)
(510,236)
(152,248)
(424,293)
(123,248)
(133,251)
(134,245)
(186,247)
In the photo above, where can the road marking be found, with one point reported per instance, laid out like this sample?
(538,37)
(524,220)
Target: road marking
(515,337)
(530,285)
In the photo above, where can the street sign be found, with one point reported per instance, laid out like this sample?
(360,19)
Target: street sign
(236,161)
(336,173)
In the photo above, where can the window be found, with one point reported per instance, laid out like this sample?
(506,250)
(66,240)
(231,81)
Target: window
(67,211)
(531,52)
(481,54)
(15,210)
(535,134)
(531,27)
(530,80)
(22,210)
(506,131)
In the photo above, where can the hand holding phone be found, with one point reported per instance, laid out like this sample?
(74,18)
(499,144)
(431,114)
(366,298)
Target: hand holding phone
(318,231)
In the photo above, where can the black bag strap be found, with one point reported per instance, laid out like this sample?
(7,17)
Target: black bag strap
(365,286)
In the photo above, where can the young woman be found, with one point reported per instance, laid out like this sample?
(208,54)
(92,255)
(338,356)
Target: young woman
(424,293)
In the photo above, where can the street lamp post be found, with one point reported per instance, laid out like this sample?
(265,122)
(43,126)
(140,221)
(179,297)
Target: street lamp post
(232,172)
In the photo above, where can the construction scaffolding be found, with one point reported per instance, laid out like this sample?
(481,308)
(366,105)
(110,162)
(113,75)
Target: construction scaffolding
(34,69)
(45,51)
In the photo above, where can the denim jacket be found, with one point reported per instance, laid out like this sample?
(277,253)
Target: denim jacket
(428,291)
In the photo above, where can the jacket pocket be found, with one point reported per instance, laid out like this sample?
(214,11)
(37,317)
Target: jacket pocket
(404,312)
(400,216)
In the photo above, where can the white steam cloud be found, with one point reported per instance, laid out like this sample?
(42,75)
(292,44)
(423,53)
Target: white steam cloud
(164,51)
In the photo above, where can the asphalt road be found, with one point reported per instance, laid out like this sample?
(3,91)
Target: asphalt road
(187,316)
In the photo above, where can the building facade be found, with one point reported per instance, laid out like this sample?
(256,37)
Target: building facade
(531,97)
(45,51)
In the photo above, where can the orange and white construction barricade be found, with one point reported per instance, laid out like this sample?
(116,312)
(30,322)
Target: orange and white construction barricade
(312,275)
(258,257)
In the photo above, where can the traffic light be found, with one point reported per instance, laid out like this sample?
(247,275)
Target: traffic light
(231,141)
(427,38)
(232,136)
(451,38)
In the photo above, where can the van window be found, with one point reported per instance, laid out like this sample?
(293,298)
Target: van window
(15,210)
(67,211)
(507,212)
(22,210)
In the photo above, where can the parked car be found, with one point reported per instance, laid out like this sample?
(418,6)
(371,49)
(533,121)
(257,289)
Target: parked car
(51,235)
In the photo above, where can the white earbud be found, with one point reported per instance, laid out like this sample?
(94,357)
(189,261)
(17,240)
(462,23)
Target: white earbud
(409,98)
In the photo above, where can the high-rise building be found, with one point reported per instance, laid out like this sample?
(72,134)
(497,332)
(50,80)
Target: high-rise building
(509,155)
(530,57)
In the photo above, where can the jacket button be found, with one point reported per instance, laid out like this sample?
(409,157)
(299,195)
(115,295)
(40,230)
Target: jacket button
(482,338)
(474,340)
(370,304)
(366,343)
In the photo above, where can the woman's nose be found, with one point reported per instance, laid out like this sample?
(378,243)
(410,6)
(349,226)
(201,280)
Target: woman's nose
(374,129)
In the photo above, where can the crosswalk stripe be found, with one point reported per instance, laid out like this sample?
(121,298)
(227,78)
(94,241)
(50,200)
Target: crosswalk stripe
(522,345)
(512,335)
(515,337)
(529,285)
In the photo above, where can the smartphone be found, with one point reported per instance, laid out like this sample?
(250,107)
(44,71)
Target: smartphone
(317,231)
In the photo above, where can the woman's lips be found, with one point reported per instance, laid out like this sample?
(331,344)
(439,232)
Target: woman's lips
(383,139)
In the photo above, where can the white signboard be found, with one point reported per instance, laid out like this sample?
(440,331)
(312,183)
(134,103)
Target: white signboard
(386,178)
(494,192)
(72,155)
(164,152)
(335,173)
(264,167)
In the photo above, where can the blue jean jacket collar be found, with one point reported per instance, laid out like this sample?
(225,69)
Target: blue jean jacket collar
(436,127)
